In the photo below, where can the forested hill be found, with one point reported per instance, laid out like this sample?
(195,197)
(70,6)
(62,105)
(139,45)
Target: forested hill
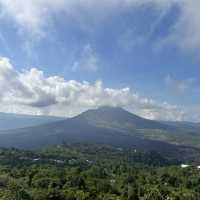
(94,172)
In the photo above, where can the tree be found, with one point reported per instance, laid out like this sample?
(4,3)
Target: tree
(153,194)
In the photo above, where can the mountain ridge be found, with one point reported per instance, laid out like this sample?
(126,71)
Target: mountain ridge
(120,115)
(112,125)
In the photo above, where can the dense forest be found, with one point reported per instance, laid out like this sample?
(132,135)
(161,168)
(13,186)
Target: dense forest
(94,172)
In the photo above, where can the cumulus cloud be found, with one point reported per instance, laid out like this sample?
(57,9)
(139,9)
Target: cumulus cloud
(31,92)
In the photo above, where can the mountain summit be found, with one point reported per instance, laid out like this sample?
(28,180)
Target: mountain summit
(119,118)
(107,125)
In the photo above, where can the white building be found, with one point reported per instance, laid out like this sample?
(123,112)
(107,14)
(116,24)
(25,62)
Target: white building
(184,166)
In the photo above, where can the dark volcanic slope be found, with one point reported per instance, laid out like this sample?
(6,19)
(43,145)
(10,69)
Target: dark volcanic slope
(100,121)
(105,126)
(120,118)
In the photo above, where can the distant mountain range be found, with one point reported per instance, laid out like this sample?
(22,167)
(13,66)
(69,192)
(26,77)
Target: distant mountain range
(13,121)
(105,125)
(184,125)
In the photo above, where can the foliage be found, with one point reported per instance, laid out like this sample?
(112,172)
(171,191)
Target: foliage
(94,172)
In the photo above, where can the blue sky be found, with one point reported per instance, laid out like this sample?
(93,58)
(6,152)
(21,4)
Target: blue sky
(150,47)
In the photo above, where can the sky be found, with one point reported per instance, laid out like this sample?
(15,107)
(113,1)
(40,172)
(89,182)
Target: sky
(63,57)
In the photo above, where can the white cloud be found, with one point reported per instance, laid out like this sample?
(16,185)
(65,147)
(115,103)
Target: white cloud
(36,16)
(88,60)
(32,93)
(186,31)
(32,16)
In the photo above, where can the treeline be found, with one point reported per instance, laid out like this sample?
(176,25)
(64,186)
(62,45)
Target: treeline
(92,172)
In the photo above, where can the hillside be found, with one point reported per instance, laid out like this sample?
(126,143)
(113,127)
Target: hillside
(117,118)
(106,125)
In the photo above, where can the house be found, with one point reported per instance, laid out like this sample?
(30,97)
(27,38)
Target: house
(184,166)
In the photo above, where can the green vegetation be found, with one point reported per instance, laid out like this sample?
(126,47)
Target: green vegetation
(94,172)
(179,136)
